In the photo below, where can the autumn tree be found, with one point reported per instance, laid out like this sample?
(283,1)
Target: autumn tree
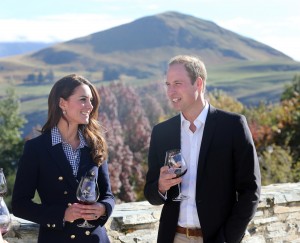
(291,90)
(11,142)
(276,163)
(11,122)
(120,156)
(276,128)
(136,128)
(153,109)
(132,117)
(120,161)
(157,90)
(221,100)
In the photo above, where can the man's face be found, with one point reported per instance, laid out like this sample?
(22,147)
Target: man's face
(180,90)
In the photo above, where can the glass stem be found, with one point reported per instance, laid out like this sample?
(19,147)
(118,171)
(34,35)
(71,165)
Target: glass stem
(179,190)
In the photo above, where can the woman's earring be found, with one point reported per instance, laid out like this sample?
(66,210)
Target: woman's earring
(64,112)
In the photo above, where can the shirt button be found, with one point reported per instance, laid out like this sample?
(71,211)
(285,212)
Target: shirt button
(87,232)
(73,236)
(69,204)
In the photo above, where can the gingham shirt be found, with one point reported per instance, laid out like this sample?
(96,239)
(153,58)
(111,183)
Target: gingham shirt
(73,156)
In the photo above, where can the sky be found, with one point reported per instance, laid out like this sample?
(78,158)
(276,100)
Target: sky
(273,22)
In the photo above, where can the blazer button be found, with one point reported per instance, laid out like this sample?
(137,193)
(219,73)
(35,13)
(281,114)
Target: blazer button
(53,225)
(65,192)
(87,232)
(48,225)
(73,236)
(60,178)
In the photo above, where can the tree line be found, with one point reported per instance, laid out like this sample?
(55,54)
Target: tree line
(39,78)
(128,114)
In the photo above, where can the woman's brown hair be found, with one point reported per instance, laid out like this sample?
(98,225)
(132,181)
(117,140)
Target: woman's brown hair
(93,131)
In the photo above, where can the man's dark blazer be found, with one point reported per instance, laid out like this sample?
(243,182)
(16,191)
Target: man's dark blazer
(228,177)
(45,168)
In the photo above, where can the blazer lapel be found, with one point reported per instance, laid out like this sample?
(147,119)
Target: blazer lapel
(85,162)
(59,158)
(174,136)
(208,133)
(175,139)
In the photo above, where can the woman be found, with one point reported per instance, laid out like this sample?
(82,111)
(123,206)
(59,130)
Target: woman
(71,145)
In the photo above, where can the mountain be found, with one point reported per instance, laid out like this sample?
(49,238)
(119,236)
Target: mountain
(17,48)
(138,52)
(141,48)
(245,68)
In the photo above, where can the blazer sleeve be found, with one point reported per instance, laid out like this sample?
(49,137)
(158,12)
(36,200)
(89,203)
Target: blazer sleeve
(25,186)
(247,182)
(30,179)
(151,187)
(106,196)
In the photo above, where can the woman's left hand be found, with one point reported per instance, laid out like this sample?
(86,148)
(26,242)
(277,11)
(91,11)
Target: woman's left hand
(93,211)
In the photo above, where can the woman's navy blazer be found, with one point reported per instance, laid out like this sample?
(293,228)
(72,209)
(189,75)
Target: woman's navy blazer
(44,168)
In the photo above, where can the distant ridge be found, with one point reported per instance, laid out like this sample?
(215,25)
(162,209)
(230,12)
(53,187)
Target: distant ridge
(173,29)
(136,53)
(17,48)
(141,48)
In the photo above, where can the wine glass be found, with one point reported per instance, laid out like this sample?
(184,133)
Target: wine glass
(178,166)
(5,219)
(87,193)
(3,185)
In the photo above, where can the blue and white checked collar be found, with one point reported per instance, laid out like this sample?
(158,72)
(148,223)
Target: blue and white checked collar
(56,137)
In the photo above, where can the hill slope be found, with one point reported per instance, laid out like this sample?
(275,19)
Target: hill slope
(138,52)
(17,48)
(173,29)
(141,48)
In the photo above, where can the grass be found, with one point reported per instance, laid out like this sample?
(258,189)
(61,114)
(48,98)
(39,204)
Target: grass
(249,82)
(260,81)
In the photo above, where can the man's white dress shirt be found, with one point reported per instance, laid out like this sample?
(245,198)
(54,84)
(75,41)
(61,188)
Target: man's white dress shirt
(190,148)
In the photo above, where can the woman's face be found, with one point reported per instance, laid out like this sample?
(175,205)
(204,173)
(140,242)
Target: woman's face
(78,106)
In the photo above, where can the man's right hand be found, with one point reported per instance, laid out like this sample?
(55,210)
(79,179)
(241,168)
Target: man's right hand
(167,180)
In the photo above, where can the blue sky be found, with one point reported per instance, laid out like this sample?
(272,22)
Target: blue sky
(273,22)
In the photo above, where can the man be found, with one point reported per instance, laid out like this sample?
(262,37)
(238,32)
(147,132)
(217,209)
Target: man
(223,176)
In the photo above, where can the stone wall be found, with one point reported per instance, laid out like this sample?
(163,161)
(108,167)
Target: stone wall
(277,220)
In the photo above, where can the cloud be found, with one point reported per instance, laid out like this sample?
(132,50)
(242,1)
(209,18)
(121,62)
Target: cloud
(56,27)
(279,34)
(287,45)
